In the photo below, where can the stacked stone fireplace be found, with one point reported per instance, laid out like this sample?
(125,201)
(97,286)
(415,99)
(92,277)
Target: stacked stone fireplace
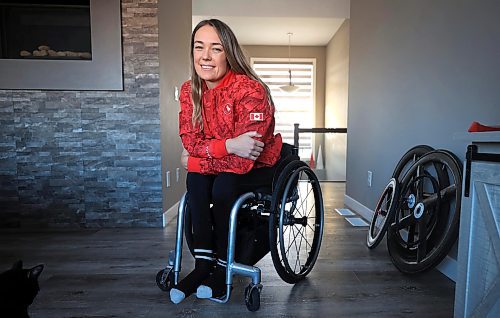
(87,157)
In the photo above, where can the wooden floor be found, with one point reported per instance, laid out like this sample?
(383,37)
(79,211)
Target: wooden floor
(111,273)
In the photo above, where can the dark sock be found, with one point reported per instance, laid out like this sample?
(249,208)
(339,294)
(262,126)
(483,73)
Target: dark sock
(202,270)
(215,285)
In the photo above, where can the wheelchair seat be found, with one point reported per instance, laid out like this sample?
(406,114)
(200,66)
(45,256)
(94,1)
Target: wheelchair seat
(288,154)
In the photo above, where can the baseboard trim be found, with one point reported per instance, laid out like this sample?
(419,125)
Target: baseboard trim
(170,214)
(448,266)
(359,208)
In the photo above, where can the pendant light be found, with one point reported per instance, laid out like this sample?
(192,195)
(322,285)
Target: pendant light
(290,88)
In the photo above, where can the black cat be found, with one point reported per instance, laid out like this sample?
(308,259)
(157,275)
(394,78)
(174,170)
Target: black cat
(18,288)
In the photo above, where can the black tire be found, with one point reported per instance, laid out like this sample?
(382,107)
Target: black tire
(384,214)
(408,159)
(252,298)
(427,218)
(165,279)
(296,222)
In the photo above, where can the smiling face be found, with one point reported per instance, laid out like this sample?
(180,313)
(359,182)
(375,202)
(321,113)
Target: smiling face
(209,58)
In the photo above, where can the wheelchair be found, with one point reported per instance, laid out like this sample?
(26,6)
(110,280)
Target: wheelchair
(285,219)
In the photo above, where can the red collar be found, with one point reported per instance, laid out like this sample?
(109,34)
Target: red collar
(225,81)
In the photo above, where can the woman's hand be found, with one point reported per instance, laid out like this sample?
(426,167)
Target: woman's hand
(245,145)
(184,158)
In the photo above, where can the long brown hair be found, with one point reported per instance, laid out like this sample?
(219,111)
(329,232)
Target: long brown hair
(236,60)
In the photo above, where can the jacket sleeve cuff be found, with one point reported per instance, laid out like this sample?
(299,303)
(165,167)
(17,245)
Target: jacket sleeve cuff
(218,148)
(194,164)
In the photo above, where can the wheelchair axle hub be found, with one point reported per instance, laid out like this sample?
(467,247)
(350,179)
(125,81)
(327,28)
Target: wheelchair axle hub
(293,220)
(419,210)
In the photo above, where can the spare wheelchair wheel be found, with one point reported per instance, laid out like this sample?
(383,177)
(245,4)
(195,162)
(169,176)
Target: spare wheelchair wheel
(296,222)
(385,211)
(408,159)
(426,223)
(386,207)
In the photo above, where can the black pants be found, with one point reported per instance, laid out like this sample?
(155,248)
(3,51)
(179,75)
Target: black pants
(211,225)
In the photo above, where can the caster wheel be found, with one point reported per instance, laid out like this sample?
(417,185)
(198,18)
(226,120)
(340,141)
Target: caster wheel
(165,279)
(252,297)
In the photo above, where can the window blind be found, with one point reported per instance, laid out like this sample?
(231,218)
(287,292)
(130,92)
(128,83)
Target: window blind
(295,107)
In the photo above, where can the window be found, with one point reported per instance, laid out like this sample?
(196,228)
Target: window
(291,108)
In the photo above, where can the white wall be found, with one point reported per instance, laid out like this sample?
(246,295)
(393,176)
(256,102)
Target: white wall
(336,98)
(174,44)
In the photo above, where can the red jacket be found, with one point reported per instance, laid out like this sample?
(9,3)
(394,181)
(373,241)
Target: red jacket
(236,105)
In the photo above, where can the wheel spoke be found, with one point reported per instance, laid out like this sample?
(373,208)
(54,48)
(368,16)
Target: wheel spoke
(419,189)
(422,239)
(445,193)
(302,200)
(298,250)
(312,229)
(305,237)
(411,235)
(404,222)
(291,241)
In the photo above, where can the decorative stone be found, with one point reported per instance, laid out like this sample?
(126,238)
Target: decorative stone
(85,55)
(40,53)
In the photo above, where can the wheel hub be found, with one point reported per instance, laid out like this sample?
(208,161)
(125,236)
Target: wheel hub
(419,210)
(291,220)
(302,221)
(411,201)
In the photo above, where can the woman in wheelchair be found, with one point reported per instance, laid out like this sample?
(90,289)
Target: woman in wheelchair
(226,125)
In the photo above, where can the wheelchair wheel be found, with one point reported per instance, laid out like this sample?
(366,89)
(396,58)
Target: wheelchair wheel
(426,223)
(408,159)
(386,206)
(383,214)
(296,222)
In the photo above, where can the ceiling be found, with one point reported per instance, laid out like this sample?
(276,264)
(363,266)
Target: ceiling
(267,22)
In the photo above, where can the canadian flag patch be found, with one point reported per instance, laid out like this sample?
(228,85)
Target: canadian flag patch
(256,116)
(227,109)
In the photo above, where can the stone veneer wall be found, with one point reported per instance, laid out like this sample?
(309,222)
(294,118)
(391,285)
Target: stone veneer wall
(87,158)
